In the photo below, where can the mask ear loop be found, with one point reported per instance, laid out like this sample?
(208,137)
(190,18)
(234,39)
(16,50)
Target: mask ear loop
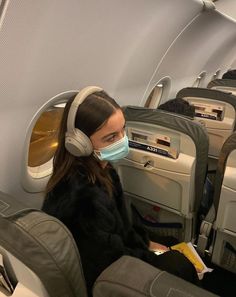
(95,155)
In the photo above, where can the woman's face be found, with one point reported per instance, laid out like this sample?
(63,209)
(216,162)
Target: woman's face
(112,131)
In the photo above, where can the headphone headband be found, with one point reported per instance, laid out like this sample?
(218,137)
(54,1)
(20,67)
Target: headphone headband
(76,142)
(79,99)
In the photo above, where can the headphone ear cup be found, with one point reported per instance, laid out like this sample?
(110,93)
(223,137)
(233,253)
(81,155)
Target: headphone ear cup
(78,144)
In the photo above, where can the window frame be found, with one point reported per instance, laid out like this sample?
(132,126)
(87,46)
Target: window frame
(198,83)
(165,85)
(34,180)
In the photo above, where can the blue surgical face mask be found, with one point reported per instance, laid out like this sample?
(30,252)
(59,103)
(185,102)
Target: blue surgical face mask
(114,151)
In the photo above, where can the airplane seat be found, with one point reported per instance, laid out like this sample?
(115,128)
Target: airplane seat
(217,111)
(165,170)
(41,260)
(39,251)
(224,248)
(225,85)
(160,283)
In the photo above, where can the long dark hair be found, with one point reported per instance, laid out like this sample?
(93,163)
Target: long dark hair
(91,115)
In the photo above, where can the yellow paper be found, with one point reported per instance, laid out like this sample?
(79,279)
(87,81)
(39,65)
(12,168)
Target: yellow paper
(184,249)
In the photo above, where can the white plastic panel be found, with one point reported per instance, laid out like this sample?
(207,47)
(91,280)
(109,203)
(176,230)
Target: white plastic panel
(218,130)
(28,284)
(165,188)
(231,162)
(227,205)
(222,256)
(21,291)
(226,211)
(225,223)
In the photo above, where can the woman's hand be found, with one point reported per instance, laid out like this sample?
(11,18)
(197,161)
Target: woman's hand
(157,247)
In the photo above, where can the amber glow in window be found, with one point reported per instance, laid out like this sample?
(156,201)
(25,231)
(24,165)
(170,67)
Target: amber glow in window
(43,142)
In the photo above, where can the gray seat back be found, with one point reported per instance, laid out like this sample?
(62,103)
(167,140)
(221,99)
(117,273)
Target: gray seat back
(225,85)
(44,245)
(224,250)
(216,110)
(168,168)
(149,281)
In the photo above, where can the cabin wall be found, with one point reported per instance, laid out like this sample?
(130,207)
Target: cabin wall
(50,46)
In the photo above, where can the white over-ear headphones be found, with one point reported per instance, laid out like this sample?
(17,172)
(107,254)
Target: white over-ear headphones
(76,142)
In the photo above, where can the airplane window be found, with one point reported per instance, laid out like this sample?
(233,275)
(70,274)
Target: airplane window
(158,93)
(43,141)
(200,79)
(216,75)
(154,97)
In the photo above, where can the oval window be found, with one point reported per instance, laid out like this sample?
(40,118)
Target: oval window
(154,97)
(41,142)
(200,80)
(216,75)
(158,93)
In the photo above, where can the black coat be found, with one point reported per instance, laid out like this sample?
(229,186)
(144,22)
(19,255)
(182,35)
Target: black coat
(99,224)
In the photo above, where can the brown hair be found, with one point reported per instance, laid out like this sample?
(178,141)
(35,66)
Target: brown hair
(91,115)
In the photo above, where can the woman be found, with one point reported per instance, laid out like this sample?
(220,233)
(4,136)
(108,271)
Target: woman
(85,193)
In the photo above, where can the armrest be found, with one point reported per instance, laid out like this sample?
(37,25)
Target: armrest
(131,277)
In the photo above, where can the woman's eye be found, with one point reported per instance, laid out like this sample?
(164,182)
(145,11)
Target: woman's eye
(112,138)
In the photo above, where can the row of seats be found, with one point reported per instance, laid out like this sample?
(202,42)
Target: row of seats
(221,98)
(168,162)
(42,260)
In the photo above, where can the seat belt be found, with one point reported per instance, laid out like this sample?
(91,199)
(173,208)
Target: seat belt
(205,229)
